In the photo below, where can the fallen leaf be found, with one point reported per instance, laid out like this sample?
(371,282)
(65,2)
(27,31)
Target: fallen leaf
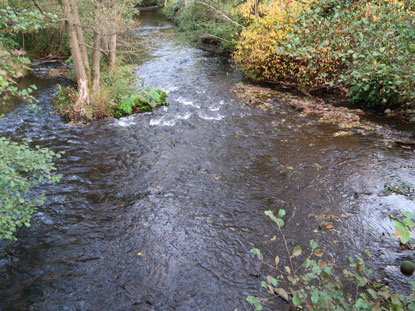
(282,293)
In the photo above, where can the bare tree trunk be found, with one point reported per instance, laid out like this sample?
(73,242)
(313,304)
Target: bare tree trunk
(80,36)
(113,38)
(96,62)
(81,76)
(105,46)
(61,36)
(96,52)
(113,51)
(185,4)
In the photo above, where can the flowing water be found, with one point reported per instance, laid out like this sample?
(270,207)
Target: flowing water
(158,211)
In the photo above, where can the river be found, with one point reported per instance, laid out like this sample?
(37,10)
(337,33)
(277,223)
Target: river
(158,211)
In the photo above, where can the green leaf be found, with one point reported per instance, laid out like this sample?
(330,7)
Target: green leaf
(258,306)
(280,222)
(281,213)
(256,252)
(271,280)
(251,299)
(313,244)
(296,300)
(402,234)
(271,215)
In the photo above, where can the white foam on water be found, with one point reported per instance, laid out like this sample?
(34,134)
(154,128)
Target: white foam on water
(217,117)
(221,102)
(155,121)
(126,121)
(169,123)
(187,102)
(172,89)
(185,116)
(214,108)
(162,122)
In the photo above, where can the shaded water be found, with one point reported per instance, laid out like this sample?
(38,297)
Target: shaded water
(158,211)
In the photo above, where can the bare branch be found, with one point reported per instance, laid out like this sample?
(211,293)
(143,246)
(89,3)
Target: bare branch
(215,37)
(221,13)
(38,7)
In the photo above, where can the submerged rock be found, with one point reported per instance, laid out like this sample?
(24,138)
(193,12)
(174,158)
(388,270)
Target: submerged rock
(407,267)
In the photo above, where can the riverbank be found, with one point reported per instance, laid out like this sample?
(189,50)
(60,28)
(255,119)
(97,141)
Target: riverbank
(370,78)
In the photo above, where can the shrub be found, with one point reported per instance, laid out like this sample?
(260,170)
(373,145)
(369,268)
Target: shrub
(118,97)
(64,99)
(314,285)
(362,47)
(21,168)
(368,45)
(202,25)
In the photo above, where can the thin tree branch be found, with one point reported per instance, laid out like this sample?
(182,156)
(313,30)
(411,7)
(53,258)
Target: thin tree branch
(107,51)
(38,7)
(221,13)
(215,37)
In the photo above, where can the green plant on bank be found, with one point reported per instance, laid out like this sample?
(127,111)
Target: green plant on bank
(117,97)
(365,46)
(140,101)
(404,227)
(64,99)
(204,25)
(11,70)
(21,168)
(314,284)
(16,21)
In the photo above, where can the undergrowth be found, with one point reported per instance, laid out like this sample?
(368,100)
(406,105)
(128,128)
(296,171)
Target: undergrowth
(315,284)
(204,24)
(364,49)
(119,96)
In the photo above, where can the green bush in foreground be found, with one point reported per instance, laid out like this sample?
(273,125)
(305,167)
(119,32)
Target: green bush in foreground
(21,168)
(313,285)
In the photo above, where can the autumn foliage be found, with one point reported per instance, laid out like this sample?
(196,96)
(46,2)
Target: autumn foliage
(363,48)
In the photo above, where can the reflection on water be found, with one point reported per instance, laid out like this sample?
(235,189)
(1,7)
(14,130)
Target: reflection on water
(158,211)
